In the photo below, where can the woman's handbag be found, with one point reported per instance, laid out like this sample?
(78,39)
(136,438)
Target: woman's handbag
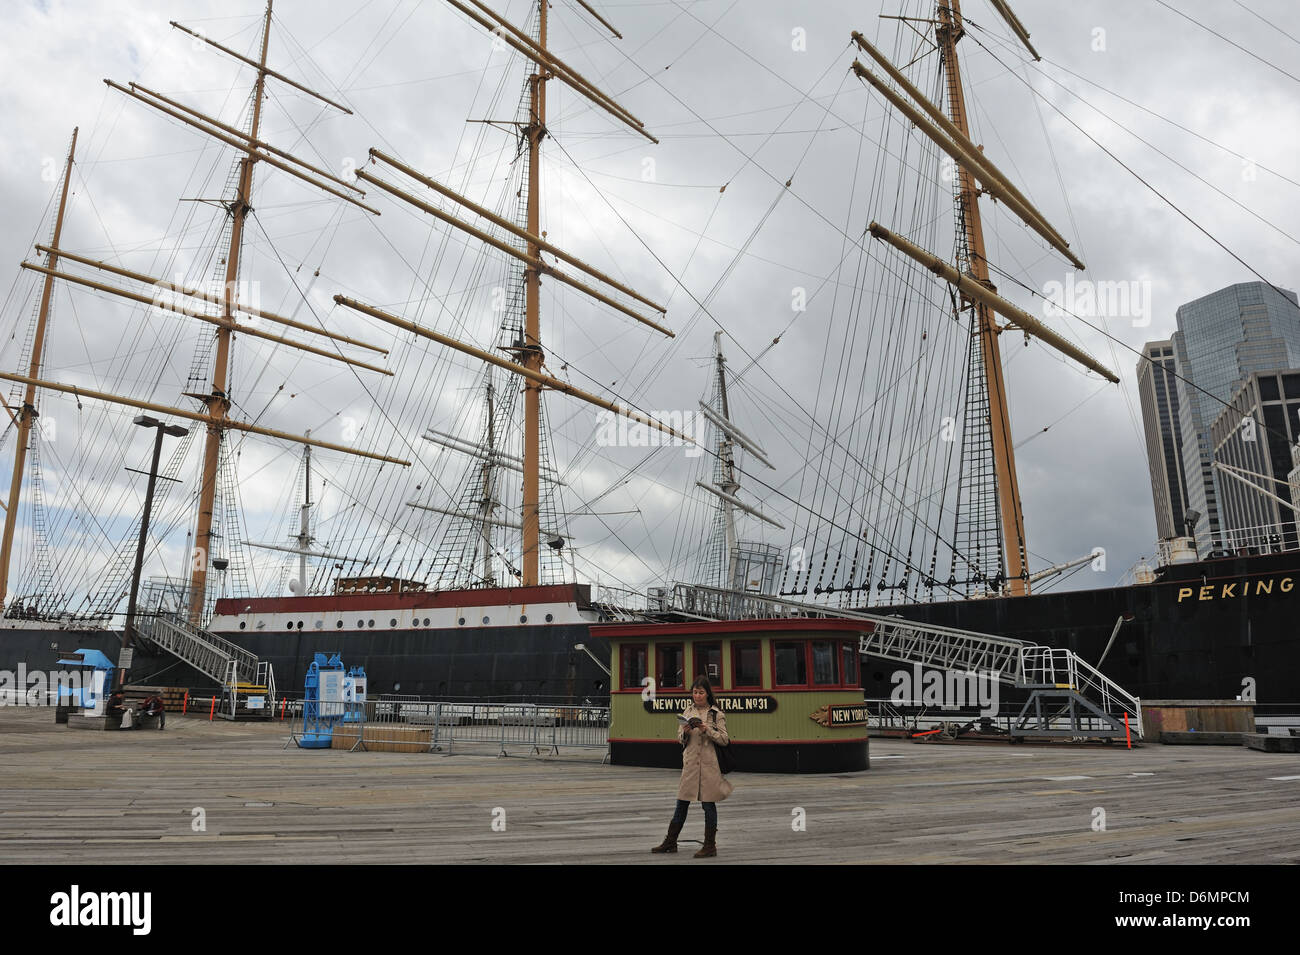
(726,763)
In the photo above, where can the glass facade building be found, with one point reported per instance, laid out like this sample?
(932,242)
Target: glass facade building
(1222,339)
(1158,392)
(1253,440)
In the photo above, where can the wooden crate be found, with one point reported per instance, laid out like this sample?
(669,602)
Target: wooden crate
(1201,716)
(384,738)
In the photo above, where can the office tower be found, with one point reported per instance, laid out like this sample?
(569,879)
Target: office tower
(1158,392)
(1222,339)
(1253,440)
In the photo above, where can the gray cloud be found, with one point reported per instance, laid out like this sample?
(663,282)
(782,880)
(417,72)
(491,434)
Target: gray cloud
(414,72)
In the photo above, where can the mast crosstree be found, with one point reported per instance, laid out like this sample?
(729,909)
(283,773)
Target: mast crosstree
(27,413)
(986,393)
(158,293)
(528,356)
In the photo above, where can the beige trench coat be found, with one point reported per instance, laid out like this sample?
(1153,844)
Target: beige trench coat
(702,781)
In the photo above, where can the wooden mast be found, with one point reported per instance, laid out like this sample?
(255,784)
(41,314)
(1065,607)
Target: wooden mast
(949,31)
(27,414)
(531,355)
(726,458)
(218,403)
(527,349)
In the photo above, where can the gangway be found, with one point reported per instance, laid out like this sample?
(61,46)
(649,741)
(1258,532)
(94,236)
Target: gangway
(248,684)
(1068,697)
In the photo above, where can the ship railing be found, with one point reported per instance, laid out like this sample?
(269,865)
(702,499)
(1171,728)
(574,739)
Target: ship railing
(409,724)
(1262,538)
(620,599)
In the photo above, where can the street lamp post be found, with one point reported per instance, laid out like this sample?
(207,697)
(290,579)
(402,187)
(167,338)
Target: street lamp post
(176,431)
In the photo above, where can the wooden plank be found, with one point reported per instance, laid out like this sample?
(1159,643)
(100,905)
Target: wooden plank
(266,804)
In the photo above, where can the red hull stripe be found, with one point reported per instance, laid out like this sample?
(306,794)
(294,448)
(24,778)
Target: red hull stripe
(347,603)
(713,627)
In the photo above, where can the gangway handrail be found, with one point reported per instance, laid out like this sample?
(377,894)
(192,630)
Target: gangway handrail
(1015,662)
(797,608)
(246,657)
(205,651)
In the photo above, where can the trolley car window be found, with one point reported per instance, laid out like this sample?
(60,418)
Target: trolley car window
(746,665)
(708,661)
(670,666)
(791,663)
(823,663)
(634,665)
(849,664)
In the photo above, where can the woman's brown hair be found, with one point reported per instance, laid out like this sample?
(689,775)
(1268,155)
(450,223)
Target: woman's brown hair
(703,681)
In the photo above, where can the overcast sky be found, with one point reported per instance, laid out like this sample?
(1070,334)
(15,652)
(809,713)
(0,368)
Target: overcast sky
(745,95)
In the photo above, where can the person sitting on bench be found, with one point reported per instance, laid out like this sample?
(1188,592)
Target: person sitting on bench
(154,706)
(115,708)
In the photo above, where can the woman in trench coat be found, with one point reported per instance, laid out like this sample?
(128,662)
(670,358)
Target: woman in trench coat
(705,728)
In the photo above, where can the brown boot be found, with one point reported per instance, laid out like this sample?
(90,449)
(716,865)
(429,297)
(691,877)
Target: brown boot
(710,843)
(670,841)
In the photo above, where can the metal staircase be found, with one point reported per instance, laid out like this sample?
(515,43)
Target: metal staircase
(242,676)
(206,652)
(1068,697)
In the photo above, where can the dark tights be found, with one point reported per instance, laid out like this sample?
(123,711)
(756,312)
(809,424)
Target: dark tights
(710,813)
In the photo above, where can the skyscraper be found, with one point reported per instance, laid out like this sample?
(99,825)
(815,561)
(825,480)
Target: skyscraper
(1253,440)
(1222,339)
(1159,396)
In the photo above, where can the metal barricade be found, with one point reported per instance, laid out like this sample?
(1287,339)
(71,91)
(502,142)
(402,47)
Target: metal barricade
(409,724)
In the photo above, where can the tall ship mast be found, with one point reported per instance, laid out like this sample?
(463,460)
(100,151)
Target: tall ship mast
(996,560)
(441,541)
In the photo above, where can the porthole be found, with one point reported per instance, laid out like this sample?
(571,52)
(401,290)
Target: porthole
(461,621)
(426,621)
(320,624)
(289,625)
(370,623)
(550,618)
(299,624)
(393,622)
(339,624)
(523,618)
(360,624)
(485,620)
(242,625)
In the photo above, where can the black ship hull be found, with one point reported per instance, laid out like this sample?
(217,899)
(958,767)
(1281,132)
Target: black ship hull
(501,663)
(1213,629)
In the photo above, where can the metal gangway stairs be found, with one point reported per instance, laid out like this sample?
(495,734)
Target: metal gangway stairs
(248,684)
(1067,696)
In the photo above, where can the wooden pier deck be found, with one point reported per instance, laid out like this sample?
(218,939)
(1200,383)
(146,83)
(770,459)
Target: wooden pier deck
(129,798)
